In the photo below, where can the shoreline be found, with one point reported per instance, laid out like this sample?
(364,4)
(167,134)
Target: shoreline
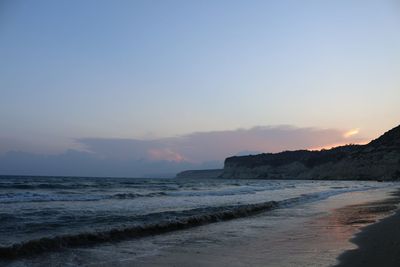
(313,233)
(322,239)
(378,244)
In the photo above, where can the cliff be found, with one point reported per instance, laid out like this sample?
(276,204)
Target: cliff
(377,160)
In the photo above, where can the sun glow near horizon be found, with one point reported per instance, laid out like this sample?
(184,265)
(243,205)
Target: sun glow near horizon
(346,135)
(351,133)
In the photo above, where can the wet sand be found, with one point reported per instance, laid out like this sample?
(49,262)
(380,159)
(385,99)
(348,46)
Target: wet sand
(298,241)
(312,234)
(378,244)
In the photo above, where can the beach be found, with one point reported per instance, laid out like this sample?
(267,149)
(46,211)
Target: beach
(377,244)
(199,133)
(301,241)
(168,222)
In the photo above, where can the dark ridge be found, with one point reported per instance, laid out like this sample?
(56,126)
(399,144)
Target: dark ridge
(38,246)
(309,158)
(389,139)
(377,160)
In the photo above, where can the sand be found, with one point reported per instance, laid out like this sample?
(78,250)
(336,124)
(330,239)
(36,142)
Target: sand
(305,242)
(378,244)
(313,234)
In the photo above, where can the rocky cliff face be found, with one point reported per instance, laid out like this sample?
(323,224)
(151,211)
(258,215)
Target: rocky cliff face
(377,160)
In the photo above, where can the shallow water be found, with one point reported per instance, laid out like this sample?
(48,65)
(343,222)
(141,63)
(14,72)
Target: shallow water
(95,211)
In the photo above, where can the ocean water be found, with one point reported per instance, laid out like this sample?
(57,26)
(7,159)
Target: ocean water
(39,215)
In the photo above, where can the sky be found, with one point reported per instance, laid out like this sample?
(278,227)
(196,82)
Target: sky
(147,88)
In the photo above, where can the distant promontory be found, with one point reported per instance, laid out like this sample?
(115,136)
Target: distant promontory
(377,160)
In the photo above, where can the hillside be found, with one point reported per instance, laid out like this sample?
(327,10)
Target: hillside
(379,159)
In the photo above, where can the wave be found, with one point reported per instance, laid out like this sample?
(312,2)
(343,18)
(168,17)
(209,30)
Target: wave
(52,243)
(244,190)
(306,198)
(16,197)
(8,198)
(82,185)
(43,186)
(136,195)
(167,222)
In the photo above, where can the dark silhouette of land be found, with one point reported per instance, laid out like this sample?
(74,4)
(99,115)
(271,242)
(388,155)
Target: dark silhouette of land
(377,160)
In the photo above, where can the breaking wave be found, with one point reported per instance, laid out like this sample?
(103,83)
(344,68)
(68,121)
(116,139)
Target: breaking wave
(213,215)
(170,221)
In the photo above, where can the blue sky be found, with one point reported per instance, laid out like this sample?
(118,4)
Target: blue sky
(147,70)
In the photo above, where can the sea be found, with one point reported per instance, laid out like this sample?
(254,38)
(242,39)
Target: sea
(61,220)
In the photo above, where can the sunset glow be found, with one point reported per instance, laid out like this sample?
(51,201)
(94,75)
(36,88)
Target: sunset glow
(165,154)
(158,86)
(351,133)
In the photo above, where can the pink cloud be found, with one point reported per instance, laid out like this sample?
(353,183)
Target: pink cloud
(164,154)
(216,146)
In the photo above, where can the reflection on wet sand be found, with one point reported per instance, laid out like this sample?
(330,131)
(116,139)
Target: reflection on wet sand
(312,235)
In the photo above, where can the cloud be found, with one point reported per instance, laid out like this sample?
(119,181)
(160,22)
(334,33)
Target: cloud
(217,145)
(166,156)
(351,133)
(80,163)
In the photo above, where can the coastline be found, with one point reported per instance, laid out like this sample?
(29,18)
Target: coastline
(314,233)
(300,241)
(378,244)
